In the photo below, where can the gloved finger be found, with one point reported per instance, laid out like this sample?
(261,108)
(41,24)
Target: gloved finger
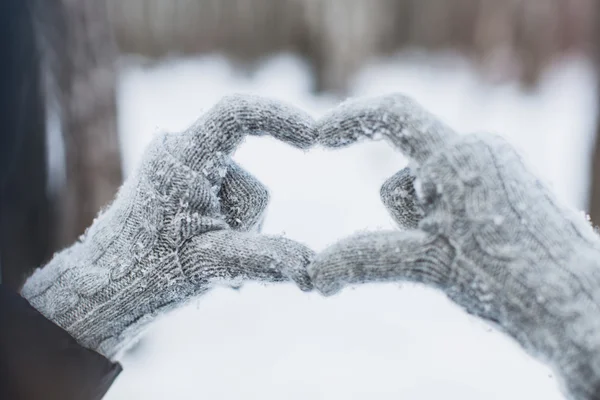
(382,257)
(231,257)
(395,117)
(399,197)
(243,199)
(222,128)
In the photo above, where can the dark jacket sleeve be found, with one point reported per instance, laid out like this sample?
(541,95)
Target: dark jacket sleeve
(39,360)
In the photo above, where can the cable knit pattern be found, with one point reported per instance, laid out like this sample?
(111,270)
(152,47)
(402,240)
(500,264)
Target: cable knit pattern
(490,235)
(182,223)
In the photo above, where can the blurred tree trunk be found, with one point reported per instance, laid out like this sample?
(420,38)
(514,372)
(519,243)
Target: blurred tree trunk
(58,52)
(81,55)
(594,199)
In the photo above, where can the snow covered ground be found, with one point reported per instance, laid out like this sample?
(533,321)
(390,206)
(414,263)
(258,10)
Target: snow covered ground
(371,342)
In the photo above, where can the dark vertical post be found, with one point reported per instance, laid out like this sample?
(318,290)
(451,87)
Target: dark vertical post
(24,204)
(594,199)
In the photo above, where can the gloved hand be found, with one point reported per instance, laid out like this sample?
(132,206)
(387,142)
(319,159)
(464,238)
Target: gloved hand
(481,227)
(178,226)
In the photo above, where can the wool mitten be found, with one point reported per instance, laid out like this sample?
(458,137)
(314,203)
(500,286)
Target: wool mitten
(478,225)
(180,225)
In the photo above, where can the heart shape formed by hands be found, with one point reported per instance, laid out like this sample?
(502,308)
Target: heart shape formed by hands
(475,224)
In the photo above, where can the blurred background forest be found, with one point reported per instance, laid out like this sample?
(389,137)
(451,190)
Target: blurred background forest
(512,39)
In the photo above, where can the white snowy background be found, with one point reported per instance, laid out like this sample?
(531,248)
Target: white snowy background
(394,341)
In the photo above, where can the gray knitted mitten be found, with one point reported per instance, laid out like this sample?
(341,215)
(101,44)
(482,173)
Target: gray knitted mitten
(480,227)
(178,226)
